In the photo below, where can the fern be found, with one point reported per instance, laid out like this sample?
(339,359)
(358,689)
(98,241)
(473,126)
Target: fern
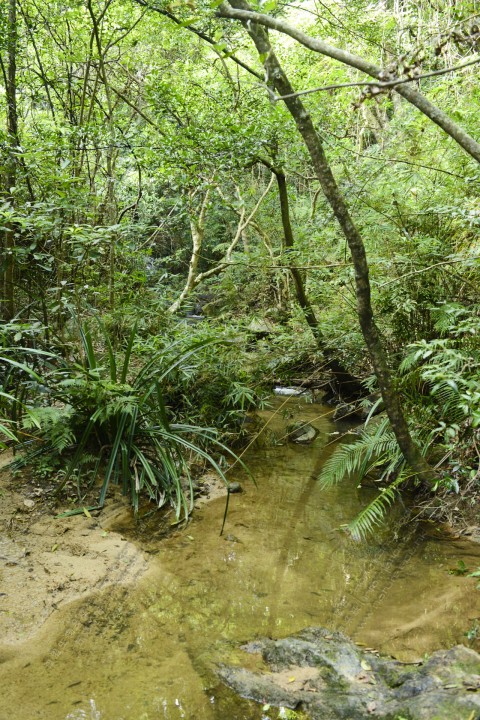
(448,370)
(93,409)
(372,515)
(54,423)
(373,449)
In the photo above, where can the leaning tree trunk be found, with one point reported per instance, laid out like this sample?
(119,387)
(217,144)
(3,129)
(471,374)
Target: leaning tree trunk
(244,14)
(197,227)
(333,195)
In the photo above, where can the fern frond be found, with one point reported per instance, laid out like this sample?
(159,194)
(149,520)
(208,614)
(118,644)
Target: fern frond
(372,515)
(374,448)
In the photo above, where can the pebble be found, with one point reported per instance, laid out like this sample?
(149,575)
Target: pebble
(234,487)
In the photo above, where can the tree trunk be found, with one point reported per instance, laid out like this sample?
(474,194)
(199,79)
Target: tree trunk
(333,195)
(197,228)
(110,208)
(345,385)
(243,13)
(8,310)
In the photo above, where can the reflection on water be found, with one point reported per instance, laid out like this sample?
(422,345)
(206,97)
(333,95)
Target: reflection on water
(92,714)
(149,652)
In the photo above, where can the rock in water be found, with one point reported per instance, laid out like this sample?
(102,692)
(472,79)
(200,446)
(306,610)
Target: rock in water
(302,433)
(290,391)
(234,487)
(345,412)
(333,679)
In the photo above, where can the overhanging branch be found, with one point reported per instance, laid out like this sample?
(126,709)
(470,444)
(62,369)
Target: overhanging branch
(198,33)
(440,118)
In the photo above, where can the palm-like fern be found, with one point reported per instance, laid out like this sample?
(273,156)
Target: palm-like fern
(446,371)
(373,514)
(376,448)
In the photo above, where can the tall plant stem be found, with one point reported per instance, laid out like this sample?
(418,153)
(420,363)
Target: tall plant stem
(11,169)
(110,153)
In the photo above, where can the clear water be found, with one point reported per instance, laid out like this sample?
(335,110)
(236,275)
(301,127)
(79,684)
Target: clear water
(149,652)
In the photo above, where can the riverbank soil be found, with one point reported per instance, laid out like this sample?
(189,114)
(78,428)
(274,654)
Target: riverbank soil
(47,562)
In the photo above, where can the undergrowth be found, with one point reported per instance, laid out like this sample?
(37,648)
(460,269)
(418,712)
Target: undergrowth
(105,413)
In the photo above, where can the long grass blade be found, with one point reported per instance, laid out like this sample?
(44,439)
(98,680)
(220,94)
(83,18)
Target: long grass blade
(91,359)
(114,458)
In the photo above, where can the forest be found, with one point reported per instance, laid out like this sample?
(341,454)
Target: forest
(204,200)
(198,203)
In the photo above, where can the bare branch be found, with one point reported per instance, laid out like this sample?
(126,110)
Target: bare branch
(197,227)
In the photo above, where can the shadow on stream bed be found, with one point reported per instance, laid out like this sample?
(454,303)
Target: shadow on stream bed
(151,649)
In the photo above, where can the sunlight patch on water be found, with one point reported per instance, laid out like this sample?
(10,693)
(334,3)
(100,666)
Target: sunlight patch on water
(91,714)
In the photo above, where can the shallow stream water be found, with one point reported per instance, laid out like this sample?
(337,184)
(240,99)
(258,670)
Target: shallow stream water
(149,652)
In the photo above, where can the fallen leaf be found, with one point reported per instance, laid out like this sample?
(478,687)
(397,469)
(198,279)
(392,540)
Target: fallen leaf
(366,678)
(86,513)
(365,665)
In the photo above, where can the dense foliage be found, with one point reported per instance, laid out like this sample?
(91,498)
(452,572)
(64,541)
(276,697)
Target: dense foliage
(140,146)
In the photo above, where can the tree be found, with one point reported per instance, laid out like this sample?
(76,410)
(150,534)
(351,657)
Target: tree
(387,78)
(331,190)
(10,77)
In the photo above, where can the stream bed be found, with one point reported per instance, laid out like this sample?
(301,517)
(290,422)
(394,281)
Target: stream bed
(149,651)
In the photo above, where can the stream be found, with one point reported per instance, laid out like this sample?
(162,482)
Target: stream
(149,652)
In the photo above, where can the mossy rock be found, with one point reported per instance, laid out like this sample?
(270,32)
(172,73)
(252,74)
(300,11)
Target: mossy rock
(333,679)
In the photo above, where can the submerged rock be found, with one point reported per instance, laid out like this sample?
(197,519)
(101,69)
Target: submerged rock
(302,433)
(329,677)
(345,411)
(234,487)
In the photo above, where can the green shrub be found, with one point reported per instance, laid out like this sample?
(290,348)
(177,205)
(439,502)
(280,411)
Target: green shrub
(108,405)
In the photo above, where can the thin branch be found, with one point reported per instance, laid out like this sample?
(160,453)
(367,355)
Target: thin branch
(242,225)
(263,266)
(430,267)
(375,85)
(436,115)
(199,33)
(125,99)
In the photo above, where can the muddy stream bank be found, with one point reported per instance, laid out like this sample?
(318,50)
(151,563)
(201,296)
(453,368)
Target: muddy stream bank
(147,648)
